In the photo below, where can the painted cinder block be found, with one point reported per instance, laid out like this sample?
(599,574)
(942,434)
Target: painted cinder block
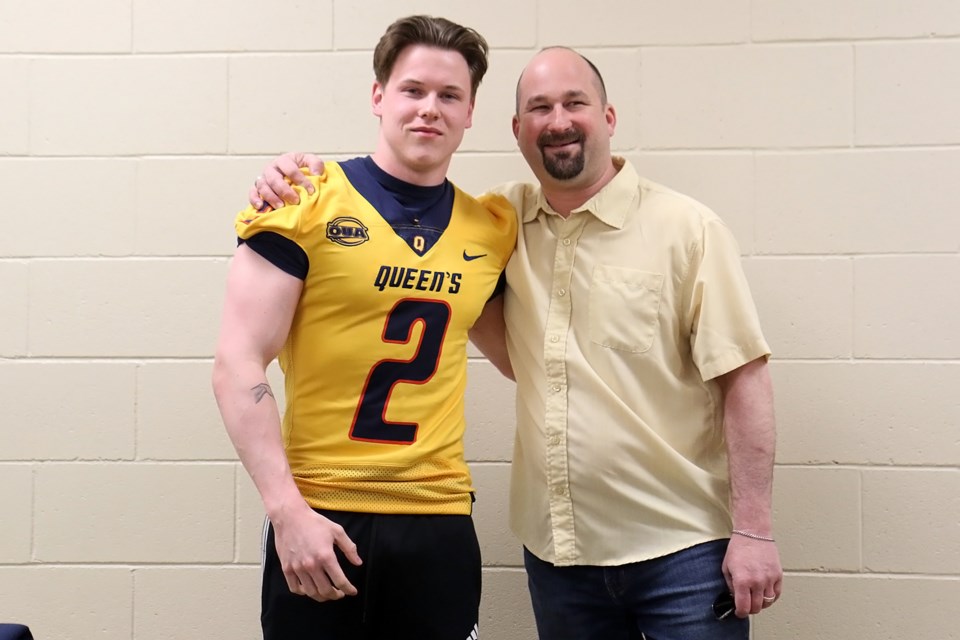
(124,513)
(495,106)
(502,23)
(910,521)
(505,610)
(15,116)
(826,20)
(126,307)
(67,410)
(885,413)
(490,412)
(231,25)
(907,93)
(128,105)
(61,26)
(196,602)
(322,103)
(250,520)
(62,603)
(647,22)
(817,324)
(186,206)
(720,181)
(71,219)
(905,307)
(16,502)
(855,201)
(14,276)
(831,541)
(177,416)
(860,606)
(498,545)
(750,96)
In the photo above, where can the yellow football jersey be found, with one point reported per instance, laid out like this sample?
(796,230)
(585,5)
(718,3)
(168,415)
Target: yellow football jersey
(375,362)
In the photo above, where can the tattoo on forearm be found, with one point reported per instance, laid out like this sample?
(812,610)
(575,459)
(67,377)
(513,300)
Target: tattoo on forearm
(262,389)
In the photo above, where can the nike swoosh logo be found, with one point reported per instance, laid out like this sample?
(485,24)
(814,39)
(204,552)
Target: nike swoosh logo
(468,257)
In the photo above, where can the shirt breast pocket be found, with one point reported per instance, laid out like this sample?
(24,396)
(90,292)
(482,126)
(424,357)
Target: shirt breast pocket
(624,308)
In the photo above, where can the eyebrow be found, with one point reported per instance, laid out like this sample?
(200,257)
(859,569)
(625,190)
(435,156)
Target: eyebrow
(572,93)
(420,83)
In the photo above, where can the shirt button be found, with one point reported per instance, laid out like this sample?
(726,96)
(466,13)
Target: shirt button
(556,387)
(566,242)
(554,338)
(560,491)
(562,292)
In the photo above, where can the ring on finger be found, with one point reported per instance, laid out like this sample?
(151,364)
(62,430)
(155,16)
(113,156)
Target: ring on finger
(769,598)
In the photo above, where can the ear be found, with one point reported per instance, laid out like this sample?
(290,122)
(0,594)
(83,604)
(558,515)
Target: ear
(376,100)
(469,116)
(610,115)
(516,127)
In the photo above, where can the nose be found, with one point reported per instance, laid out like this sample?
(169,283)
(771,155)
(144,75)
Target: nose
(559,119)
(428,107)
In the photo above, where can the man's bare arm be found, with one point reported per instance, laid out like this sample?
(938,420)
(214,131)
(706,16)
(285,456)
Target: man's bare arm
(258,311)
(752,564)
(489,336)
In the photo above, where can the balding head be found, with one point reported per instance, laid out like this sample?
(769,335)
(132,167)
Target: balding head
(550,56)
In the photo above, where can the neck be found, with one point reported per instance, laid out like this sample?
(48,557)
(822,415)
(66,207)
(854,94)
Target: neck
(422,177)
(565,197)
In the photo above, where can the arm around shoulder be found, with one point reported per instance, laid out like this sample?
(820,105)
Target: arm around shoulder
(274,185)
(488,334)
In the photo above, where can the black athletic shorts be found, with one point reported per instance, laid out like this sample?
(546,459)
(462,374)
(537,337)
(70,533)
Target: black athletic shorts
(420,580)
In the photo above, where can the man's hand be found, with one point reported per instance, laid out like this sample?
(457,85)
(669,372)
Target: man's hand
(753,572)
(272,187)
(305,543)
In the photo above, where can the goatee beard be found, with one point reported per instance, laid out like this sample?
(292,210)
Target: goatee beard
(564,165)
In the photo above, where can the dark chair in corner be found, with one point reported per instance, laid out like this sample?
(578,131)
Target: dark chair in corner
(14,632)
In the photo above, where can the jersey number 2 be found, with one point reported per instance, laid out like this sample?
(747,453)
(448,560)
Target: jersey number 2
(369,421)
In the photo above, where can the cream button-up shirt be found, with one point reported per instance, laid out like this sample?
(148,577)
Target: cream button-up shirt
(619,318)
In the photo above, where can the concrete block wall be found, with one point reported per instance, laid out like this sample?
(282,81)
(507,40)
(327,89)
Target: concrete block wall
(825,133)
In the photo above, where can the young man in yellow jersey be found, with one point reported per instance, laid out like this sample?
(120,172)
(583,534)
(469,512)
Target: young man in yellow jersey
(367,290)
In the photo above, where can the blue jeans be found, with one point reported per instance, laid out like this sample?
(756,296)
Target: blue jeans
(668,598)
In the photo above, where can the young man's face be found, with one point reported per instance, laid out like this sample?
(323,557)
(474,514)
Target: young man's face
(424,109)
(562,126)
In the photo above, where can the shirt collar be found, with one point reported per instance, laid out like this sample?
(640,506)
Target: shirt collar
(607,205)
